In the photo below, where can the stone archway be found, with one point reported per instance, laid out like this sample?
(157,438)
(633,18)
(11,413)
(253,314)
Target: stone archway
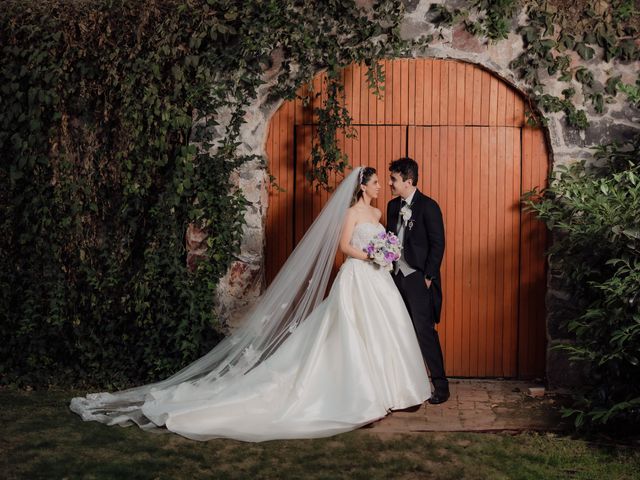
(467,130)
(242,284)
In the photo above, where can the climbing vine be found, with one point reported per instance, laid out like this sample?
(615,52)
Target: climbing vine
(552,32)
(333,115)
(119,127)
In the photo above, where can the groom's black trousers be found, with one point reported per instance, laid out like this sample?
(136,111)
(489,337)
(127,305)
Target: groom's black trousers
(419,301)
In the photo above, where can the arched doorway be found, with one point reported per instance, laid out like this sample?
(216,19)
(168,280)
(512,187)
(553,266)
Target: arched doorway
(466,128)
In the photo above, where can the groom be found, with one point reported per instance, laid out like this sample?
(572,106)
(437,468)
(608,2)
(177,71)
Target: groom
(417,221)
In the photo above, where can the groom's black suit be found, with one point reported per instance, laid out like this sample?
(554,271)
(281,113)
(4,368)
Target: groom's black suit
(423,249)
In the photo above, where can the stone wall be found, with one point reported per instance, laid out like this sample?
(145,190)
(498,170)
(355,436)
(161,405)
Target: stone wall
(244,281)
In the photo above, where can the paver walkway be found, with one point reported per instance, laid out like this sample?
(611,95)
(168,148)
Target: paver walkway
(479,405)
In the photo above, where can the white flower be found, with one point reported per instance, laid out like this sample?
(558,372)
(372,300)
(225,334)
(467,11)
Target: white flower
(406,213)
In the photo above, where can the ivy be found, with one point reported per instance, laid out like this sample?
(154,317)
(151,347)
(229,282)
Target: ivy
(584,76)
(332,116)
(551,30)
(107,114)
(491,18)
(549,103)
(632,92)
(495,17)
(615,85)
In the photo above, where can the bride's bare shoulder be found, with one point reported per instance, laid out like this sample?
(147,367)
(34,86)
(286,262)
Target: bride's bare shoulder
(351,215)
(351,211)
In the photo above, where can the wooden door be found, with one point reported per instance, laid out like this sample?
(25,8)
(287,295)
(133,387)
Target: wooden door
(474,172)
(466,130)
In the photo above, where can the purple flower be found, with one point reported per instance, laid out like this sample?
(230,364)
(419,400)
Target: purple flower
(370,248)
(382,235)
(392,239)
(389,257)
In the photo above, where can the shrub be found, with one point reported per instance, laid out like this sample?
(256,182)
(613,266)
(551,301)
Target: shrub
(594,210)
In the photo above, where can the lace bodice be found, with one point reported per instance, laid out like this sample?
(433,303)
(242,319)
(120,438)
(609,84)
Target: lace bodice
(363,232)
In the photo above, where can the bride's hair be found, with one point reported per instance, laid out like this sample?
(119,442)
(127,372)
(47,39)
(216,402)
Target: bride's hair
(363,178)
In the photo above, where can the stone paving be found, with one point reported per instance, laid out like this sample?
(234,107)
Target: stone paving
(480,406)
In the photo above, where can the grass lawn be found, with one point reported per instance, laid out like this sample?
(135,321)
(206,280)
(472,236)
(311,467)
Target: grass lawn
(43,439)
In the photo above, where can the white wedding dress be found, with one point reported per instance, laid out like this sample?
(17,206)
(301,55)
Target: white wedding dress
(353,358)
(356,358)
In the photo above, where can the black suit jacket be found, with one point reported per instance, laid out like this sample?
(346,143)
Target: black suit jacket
(423,245)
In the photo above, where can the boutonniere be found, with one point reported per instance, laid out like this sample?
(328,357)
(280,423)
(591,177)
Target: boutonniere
(410,224)
(406,214)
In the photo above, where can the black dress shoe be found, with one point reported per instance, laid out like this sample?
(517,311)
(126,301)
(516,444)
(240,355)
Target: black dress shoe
(439,397)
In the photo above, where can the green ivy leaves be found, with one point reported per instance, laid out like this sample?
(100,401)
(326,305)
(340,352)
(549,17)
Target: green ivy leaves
(549,34)
(107,115)
(585,51)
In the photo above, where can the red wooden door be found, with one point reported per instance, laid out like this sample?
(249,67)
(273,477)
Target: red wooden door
(466,130)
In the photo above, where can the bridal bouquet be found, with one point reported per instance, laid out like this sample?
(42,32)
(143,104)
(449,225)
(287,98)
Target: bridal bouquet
(384,249)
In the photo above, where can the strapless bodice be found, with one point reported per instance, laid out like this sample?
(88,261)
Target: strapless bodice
(364,232)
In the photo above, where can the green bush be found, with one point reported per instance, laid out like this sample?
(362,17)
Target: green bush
(594,211)
(102,105)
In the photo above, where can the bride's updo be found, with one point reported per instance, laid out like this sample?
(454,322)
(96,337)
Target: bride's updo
(365,175)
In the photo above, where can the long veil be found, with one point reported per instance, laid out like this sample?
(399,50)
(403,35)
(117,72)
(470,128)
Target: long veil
(298,288)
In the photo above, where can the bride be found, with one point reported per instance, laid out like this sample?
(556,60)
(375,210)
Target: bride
(299,366)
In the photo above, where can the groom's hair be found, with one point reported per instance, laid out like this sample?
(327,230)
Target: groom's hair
(407,168)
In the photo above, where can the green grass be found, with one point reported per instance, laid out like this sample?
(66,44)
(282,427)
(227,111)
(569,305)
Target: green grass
(41,438)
